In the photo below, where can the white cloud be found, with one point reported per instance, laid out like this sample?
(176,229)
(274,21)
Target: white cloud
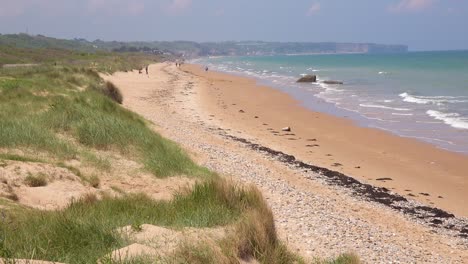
(411,5)
(313,9)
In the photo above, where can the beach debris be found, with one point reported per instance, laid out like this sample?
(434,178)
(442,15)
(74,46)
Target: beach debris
(332,82)
(286,129)
(241,111)
(384,179)
(308,78)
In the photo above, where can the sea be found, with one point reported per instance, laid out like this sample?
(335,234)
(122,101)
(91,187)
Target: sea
(421,95)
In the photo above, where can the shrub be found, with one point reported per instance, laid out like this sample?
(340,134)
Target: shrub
(36,180)
(94,181)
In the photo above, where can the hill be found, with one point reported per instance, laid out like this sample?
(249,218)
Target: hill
(193,49)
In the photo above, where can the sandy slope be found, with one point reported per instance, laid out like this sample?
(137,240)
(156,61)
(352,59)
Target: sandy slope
(313,217)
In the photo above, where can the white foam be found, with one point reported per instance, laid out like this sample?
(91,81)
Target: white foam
(384,107)
(401,114)
(437,100)
(452,119)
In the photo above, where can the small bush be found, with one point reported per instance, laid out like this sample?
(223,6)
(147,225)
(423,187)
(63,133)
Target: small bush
(12,196)
(113,92)
(94,181)
(36,180)
(136,226)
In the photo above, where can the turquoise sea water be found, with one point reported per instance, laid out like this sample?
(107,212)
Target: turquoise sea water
(423,95)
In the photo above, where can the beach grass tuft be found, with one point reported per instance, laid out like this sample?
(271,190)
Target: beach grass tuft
(38,180)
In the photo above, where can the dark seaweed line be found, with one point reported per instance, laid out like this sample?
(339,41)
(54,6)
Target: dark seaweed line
(434,217)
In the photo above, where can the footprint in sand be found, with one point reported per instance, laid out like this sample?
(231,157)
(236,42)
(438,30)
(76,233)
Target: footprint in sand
(311,146)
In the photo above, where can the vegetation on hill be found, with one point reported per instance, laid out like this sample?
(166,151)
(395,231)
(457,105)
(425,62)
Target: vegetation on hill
(189,49)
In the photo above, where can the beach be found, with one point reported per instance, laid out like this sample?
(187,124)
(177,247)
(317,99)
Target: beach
(201,111)
(409,167)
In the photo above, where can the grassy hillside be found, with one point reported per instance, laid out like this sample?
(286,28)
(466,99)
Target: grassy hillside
(61,125)
(191,49)
(42,42)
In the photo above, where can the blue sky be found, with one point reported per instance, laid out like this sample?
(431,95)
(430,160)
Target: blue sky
(421,24)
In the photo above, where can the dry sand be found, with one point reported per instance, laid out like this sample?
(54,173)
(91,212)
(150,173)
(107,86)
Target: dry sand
(412,168)
(312,216)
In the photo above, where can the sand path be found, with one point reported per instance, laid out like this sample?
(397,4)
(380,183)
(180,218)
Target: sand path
(313,217)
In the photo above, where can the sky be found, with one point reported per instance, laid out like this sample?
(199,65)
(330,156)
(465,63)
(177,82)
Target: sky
(420,24)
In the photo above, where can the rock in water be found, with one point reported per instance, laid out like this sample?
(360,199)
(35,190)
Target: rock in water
(286,129)
(308,78)
(332,82)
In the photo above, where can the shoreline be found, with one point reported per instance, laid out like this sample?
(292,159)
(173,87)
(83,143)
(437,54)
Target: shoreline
(313,217)
(413,169)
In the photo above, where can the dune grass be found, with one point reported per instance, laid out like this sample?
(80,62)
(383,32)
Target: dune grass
(39,107)
(86,230)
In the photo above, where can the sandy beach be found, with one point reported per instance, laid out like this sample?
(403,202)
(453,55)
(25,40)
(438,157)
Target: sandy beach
(313,217)
(411,168)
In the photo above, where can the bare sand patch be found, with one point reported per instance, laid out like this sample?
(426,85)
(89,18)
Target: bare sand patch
(61,186)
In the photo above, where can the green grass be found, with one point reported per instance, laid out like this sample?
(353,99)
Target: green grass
(8,156)
(39,106)
(99,60)
(85,230)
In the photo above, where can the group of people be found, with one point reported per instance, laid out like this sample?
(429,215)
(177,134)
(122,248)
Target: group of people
(141,70)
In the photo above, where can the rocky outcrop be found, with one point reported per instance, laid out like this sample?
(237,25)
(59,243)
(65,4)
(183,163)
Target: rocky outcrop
(308,79)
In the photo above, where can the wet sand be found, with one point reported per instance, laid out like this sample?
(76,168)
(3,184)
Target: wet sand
(411,168)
